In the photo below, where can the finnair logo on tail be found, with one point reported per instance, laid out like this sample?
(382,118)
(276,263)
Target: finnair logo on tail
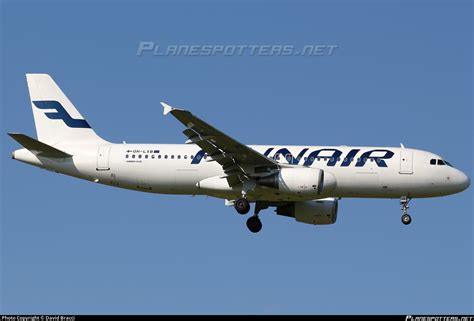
(60,113)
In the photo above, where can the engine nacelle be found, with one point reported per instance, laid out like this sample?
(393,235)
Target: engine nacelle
(307,181)
(317,212)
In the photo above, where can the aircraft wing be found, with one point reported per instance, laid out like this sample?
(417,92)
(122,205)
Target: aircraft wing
(239,161)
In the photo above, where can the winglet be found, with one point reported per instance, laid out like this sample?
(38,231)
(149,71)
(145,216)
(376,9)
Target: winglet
(166,108)
(401,145)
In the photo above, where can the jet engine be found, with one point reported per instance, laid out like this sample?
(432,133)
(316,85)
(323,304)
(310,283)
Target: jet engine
(317,212)
(307,181)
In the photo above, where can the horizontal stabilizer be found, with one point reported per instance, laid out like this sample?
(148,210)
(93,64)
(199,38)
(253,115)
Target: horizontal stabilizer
(38,148)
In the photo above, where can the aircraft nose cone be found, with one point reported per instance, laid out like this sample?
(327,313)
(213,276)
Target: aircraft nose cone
(462,181)
(465,181)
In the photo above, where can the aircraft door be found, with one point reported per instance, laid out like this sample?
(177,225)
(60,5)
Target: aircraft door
(103,158)
(406,161)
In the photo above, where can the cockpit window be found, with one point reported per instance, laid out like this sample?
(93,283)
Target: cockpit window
(434,161)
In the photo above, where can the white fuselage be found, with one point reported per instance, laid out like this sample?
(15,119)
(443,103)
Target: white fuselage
(366,172)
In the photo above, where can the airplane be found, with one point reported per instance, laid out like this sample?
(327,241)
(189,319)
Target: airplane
(302,182)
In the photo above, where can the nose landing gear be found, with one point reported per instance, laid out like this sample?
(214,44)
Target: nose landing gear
(404,200)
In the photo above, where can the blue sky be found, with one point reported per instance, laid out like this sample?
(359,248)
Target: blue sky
(402,72)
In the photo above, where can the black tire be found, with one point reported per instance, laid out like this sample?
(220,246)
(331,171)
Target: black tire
(406,219)
(242,206)
(254,224)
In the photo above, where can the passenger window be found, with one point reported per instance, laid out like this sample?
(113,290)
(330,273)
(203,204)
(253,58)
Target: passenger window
(433,161)
(133,156)
(159,156)
(179,156)
(172,156)
(166,156)
(140,156)
(126,156)
(185,156)
(191,156)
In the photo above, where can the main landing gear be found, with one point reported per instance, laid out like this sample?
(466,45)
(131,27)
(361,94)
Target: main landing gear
(242,206)
(406,219)
(254,224)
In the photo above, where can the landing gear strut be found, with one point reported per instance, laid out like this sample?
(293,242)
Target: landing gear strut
(406,219)
(242,206)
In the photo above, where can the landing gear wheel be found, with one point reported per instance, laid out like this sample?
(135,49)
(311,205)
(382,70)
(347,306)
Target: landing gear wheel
(254,224)
(406,219)
(242,206)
